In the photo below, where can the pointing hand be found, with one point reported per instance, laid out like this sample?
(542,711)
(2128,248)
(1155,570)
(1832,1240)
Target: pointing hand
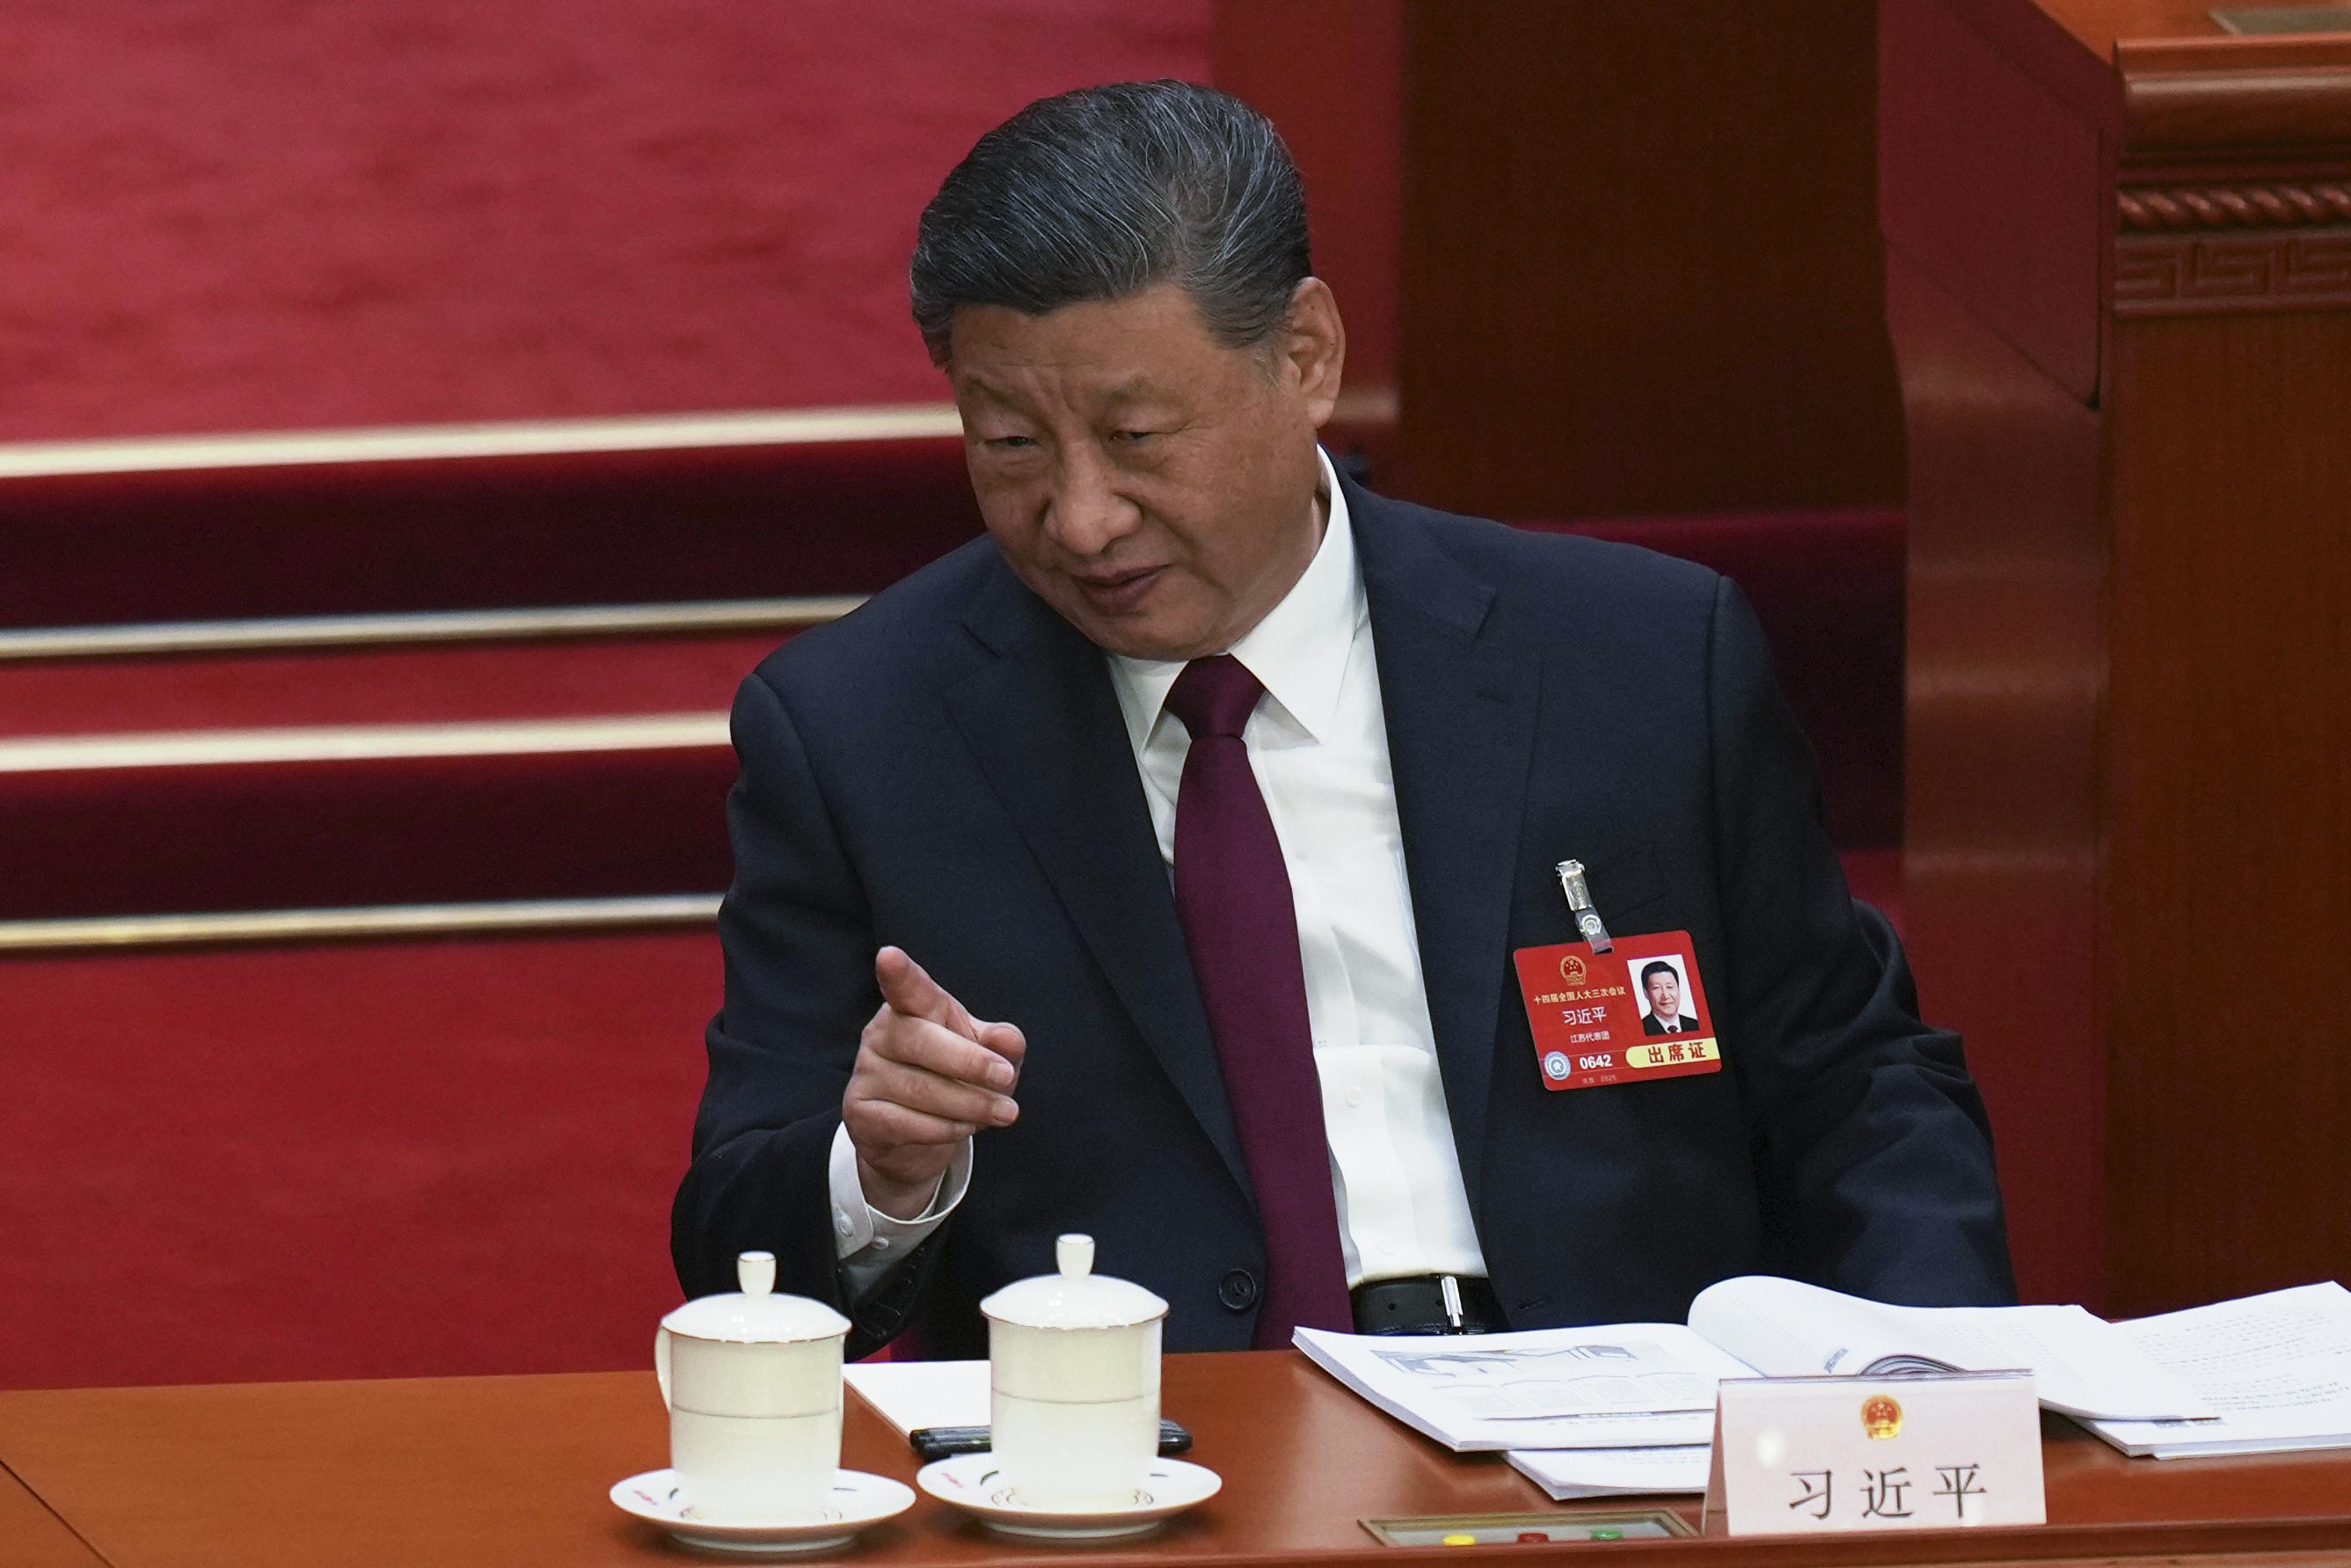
(928,1075)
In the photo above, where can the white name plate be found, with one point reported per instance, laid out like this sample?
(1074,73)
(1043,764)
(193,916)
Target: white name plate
(1797,1455)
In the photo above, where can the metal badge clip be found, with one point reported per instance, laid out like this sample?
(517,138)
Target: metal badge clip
(1579,907)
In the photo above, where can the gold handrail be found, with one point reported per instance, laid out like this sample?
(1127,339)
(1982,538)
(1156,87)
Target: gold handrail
(425,627)
(500,438)
(376,922)
(363,742)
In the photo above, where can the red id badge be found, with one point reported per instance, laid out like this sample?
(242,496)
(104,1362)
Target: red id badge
(1635,1012)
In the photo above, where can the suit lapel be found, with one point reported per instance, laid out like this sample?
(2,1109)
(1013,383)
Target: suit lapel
(1460,721)
(1043,720)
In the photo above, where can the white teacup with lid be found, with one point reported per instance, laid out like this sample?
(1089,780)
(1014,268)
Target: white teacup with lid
(753,1386)
(1073,1379)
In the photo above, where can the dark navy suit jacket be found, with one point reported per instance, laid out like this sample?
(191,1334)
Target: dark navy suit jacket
(947,769)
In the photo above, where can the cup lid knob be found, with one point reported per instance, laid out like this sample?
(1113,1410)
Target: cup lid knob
(759,1315)
(1073,1296)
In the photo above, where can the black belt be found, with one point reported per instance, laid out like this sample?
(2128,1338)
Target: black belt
(1432,1303)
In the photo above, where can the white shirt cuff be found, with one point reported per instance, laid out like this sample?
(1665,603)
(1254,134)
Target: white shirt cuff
(858,1228)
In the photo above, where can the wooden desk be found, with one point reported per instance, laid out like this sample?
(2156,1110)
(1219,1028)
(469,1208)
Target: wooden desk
(33,1537)
(513,1471)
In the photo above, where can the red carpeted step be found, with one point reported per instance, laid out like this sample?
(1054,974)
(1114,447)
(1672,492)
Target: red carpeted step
(567,824)
(602,528)
(377,1160)
(397,684)
(365,777)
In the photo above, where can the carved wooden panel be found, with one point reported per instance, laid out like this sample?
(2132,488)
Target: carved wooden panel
(2180,275)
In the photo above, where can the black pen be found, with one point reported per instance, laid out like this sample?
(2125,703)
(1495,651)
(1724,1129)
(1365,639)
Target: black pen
(945,1442)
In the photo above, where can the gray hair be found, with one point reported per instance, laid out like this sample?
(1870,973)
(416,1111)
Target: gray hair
(1103,193)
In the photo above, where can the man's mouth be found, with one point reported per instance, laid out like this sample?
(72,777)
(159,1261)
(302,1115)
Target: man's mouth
(1116,592)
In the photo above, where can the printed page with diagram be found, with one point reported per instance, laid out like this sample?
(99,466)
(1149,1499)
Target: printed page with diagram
(1621,1386)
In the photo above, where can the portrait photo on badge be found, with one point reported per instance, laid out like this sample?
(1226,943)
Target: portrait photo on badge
(1669,1004)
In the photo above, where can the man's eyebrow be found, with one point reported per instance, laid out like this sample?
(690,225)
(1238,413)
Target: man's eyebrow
(984,387)
(1138,389)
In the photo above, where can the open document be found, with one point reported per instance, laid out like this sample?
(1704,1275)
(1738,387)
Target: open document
(2277,1368)
(2081,1365)
(1647,1385)
(1632,1385)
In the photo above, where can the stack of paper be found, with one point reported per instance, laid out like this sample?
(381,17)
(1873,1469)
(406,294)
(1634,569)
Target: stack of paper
(2081,1366)
(1630,1385)
(1568,1474)
(1597,1412)
(914,1394)
(2276,1367)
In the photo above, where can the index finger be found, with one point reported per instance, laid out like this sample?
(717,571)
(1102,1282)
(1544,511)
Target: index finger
(908,988)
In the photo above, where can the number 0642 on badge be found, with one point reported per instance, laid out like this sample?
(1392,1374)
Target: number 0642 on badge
(1635,1012)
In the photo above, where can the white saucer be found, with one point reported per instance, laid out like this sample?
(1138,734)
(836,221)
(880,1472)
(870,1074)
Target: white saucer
(971,1482)
(858,1499)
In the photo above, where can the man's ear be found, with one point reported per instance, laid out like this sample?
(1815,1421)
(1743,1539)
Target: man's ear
(1314,347)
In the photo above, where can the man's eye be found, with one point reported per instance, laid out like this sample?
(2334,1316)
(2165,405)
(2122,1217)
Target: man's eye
(1131,436)
(1009,443)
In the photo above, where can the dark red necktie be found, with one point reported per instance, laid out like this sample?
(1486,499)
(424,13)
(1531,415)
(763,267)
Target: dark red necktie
(1233,895)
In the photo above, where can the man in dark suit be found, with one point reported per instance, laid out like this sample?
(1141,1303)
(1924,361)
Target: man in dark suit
(1662,984)
(1153,867)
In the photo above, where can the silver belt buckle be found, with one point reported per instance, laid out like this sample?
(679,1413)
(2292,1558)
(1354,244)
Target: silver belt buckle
(1450,1288)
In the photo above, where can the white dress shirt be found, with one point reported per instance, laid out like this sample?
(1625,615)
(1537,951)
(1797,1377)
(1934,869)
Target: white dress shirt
(1318,744)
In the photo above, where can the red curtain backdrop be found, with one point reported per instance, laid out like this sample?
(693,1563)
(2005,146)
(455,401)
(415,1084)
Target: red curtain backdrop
(231,214)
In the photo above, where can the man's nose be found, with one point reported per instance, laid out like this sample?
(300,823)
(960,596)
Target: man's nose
(1086,514)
